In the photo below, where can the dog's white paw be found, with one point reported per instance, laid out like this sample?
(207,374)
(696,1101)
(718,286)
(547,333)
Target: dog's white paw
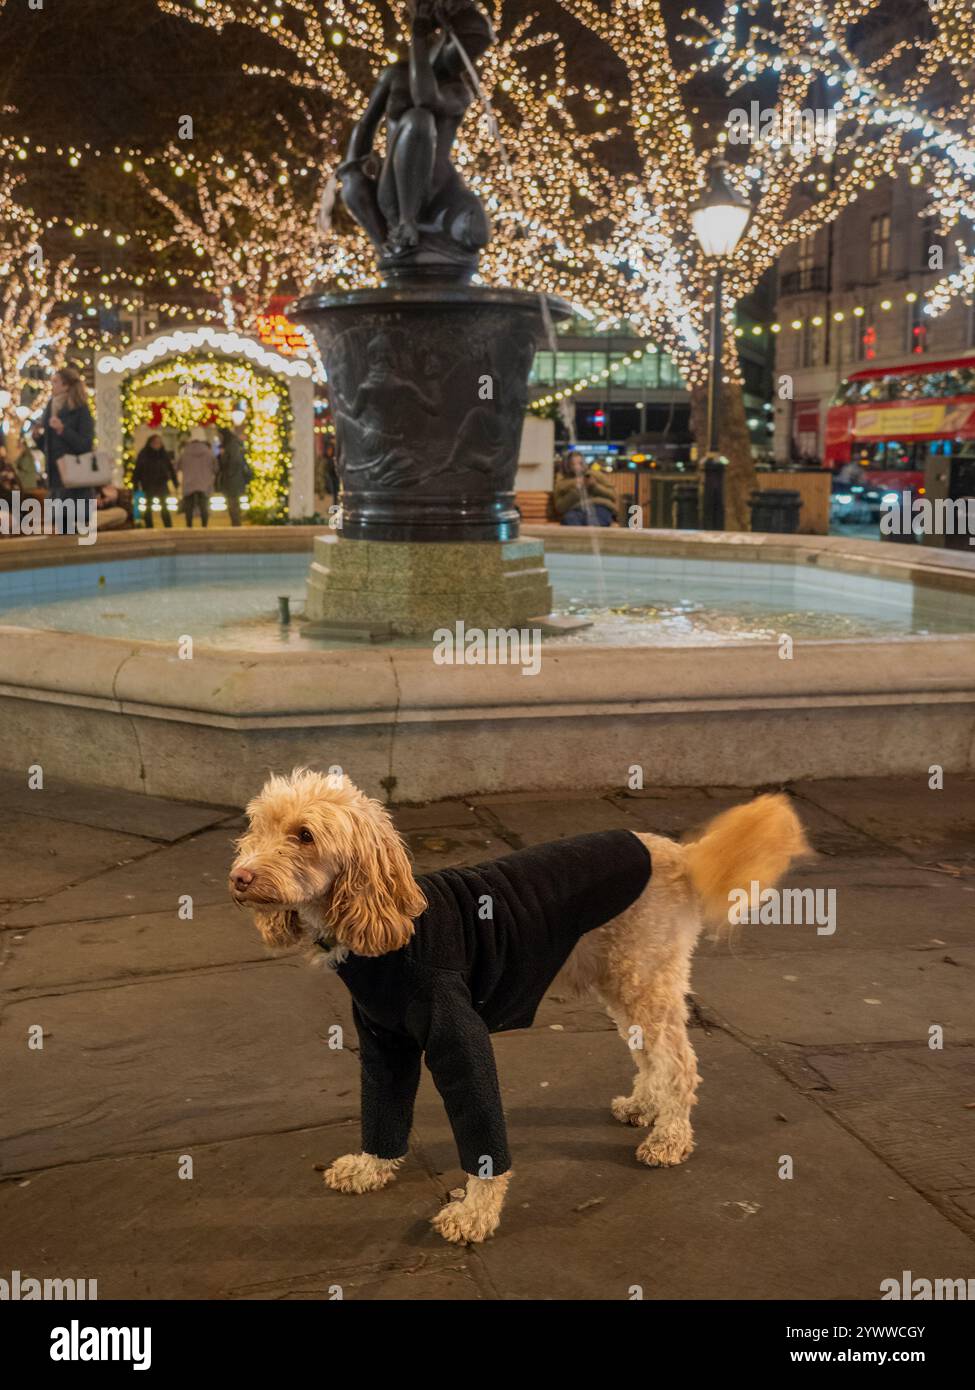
(630,1111)
(667,1148)
(361,1173)
(459,1222)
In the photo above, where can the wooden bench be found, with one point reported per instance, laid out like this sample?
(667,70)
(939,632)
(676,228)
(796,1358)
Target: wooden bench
(535,507)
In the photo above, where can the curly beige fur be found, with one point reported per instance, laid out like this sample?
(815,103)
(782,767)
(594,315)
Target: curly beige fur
(361,1173)
(321,858)
(476,1215)
(353,866)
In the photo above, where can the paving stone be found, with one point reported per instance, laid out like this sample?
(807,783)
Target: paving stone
(255,1221)
(444,847)
(831,836)
(913,1106)
(198,866)
(676,816)
(879,904)
(584,1220)
(44,856)
(433,816)
(681,814)
(841,996)
(40,959)
(166,1038)
(105,809)
(174,1061)
(535,822)
(904,813)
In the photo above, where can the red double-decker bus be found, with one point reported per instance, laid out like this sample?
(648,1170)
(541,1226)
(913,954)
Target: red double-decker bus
(891,420)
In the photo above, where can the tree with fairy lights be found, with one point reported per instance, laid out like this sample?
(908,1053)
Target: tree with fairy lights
(909,76)
(592,193)
(248,222)
(33,289)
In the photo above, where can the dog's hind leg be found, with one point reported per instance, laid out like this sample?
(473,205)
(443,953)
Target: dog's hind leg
(652,1021)
(638,1107)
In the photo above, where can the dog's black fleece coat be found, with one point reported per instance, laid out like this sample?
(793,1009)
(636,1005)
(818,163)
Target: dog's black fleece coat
(484,952)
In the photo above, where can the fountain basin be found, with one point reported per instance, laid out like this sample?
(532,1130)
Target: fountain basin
(133,713)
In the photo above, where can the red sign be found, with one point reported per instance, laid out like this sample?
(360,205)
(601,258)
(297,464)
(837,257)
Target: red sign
(277,333)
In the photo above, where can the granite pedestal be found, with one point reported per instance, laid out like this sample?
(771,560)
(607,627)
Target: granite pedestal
(411,588)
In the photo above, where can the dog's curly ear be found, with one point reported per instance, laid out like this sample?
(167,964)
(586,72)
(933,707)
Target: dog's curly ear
(278,928)
(374,897)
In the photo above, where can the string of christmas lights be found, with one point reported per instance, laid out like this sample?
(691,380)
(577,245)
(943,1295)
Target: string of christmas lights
(910,97)
(613,237)
(248,222)
(33,287)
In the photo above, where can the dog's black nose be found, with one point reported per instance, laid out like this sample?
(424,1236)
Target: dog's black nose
(242,878)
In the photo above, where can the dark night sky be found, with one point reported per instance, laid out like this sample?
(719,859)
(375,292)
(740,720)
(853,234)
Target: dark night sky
(121,72)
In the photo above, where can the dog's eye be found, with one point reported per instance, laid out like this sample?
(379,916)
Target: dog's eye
(305,836)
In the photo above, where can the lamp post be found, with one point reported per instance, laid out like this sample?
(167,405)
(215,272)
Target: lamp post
(719,218)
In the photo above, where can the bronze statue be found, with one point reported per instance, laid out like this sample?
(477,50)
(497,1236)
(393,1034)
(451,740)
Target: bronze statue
(418,212)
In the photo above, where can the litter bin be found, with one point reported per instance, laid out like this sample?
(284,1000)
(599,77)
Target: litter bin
(776,509)
(685,505)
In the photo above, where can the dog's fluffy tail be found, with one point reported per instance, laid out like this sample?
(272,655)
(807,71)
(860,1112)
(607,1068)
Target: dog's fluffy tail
(754,843)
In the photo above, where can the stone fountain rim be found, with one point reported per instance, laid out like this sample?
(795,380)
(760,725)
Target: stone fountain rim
(68,665)
(128,713)
(437,294)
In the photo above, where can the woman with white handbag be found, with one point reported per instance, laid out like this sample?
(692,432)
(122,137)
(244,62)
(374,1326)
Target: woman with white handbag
(66,434)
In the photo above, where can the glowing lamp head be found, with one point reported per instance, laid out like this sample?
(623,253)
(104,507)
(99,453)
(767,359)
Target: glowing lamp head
(720,215)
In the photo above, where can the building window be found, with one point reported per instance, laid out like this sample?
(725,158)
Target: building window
(811,344)
(879,246)
(806,258)
(866,341)
(917,329)
(805,430)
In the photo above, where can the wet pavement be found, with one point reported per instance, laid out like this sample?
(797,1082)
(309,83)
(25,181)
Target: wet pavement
(167,1138)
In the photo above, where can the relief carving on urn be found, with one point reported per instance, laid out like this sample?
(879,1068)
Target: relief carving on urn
(444,405)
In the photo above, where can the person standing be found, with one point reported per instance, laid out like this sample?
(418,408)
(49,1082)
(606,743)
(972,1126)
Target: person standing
(198,470)
(66,427)
(233,472)
(152,475)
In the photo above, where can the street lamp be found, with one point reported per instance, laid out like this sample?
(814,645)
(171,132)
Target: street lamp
(719,217)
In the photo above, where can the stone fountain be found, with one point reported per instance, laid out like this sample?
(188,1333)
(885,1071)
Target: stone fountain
(428,374)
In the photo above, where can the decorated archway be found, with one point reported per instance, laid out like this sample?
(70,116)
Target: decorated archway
(204,377)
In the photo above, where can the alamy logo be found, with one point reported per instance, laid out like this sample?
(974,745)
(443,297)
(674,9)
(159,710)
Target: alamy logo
(493,646)
(55,516)
(790,126)
(926,1290)
(22,1288)
(903,514)
(77,1343)
(783,907)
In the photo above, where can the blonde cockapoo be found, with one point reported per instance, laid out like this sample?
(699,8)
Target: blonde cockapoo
(437,963)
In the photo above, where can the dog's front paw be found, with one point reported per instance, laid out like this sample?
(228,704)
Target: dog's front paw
(666,1148)
(459,1222)
(630,1111)
(361,1173)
